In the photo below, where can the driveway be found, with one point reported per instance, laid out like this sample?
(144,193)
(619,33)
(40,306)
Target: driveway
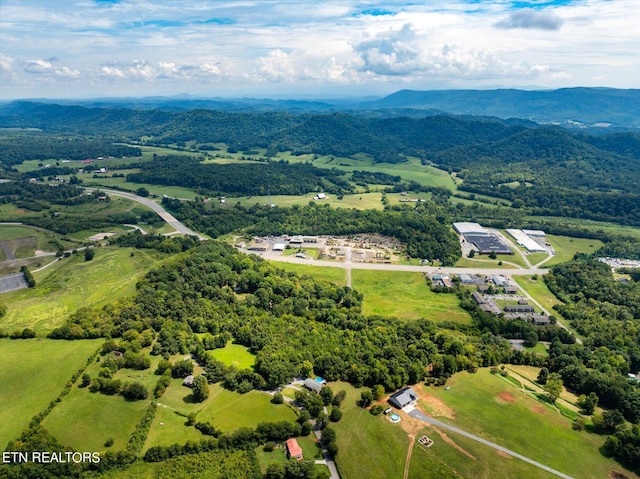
(423,417)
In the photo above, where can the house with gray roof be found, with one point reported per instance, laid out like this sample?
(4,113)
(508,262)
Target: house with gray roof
(404,397)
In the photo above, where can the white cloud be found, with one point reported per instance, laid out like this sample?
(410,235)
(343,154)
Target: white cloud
(530,18)
(173,46)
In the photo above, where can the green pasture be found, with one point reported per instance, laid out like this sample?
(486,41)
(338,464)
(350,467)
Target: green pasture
(169,425)
(234,355)
(405,295)
(229,410)
(322,273)
(159,190)
(448,461)
(409,170)
(85,420)
(44,240)
(33,372)
(566,247)
(369,446)
(71,283)
(359,201)
(485,405)
(214,464)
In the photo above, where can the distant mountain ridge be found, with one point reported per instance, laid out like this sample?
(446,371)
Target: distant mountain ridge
(573,107)
(605,109)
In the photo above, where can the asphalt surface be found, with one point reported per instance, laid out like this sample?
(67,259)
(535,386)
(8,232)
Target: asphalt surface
(164,214)
(423,417)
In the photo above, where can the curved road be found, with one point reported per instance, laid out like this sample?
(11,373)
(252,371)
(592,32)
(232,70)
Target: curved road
(418,415)
(164,214)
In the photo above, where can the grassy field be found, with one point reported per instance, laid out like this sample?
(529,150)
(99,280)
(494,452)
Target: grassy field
(85,420)
(405,295)
(229,410)
(173,191)
(234,355)
(323,273)
(369,446)
(29,383)
(495,410)
(537,288)
(72,283)
(565,247)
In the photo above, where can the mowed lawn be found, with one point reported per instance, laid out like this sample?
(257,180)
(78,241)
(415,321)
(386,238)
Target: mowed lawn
(234,355)
(72,283)
(32,374)
(565,247)
(85,420)
(405,295)
(369,446)
(229,410)
(495,410)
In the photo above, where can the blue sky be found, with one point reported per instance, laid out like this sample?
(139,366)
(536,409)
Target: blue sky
(304,48)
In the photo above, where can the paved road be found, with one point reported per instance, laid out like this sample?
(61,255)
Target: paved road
(164,214)
(418,415)
(401,267)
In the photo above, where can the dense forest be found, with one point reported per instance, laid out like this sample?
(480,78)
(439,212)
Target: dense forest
(276,177)
(16,147)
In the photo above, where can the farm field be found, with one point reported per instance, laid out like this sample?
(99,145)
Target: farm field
(173,191)
(85,420)
(29,384)
(359,201)
(405,295)
(72,283)
(541,434)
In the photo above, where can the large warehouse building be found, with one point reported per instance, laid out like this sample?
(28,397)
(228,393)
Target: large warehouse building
(525,241)
(483,242)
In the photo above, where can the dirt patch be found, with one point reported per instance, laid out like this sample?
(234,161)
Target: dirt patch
(433,405)
(617,475)
(538,409)
(504,454)
(506,396)
(100,236)
(411,425)
(450,441)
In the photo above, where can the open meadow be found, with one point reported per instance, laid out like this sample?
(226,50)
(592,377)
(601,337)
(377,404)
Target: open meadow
(72,283)
(33,372)
(496,410)
(405,295)
(369,446)
(320,273)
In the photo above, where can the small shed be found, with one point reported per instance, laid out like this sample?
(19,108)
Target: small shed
(188,381)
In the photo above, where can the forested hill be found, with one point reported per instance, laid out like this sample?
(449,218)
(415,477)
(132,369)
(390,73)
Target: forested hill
(584,105)
(547,168)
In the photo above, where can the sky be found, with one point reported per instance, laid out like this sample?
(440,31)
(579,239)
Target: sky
(312,49)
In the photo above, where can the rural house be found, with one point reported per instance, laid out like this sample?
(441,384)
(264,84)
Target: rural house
(403,398)
(293,449)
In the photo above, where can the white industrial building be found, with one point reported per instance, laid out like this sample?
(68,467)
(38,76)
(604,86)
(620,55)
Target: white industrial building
(525,241)
(467,228)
